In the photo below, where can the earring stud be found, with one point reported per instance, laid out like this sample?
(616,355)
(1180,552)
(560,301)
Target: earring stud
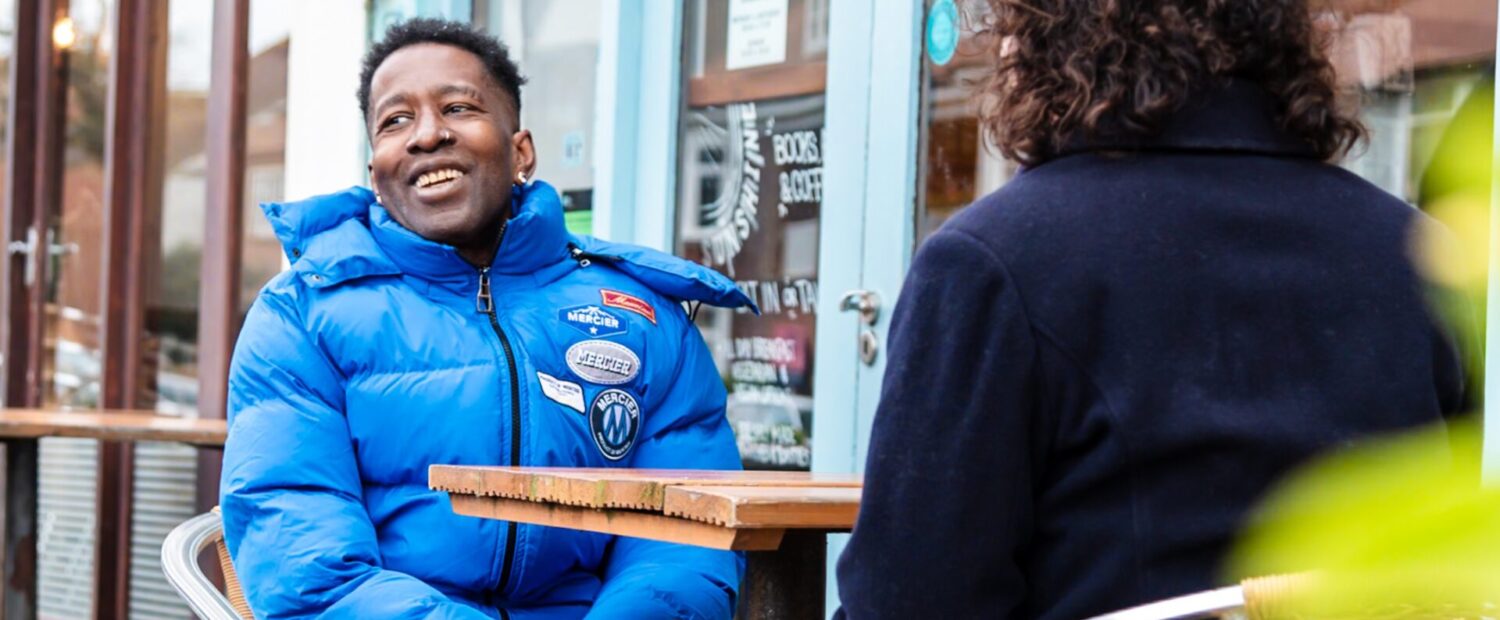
(521,178)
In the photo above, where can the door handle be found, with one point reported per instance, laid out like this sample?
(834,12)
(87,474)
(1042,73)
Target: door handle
(867,304)
(27,250)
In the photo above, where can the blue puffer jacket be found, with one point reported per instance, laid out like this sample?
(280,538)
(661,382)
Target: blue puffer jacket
(380,353)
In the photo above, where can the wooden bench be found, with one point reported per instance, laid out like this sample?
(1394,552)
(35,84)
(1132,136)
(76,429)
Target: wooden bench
(20,430)
(780,518)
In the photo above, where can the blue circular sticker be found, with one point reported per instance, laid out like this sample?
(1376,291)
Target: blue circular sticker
(942,31)
(614,420)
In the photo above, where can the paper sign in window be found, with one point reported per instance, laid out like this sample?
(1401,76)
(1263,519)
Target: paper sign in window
(757,33)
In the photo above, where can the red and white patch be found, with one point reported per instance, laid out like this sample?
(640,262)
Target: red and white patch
(616,299)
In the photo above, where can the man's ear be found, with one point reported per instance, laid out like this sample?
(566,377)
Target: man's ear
(374,182)
(523,154)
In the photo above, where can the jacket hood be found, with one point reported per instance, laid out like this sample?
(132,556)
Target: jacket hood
(339,237)
(667,274)
(295,223)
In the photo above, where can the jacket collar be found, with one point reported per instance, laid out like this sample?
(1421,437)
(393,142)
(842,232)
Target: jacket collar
(535,237)
(1237,117)
(339,237)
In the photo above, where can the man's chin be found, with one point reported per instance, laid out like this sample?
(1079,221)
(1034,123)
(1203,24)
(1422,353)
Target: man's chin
(442,234)
(461,235)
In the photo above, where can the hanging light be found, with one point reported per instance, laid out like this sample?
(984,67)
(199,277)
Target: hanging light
(64,34)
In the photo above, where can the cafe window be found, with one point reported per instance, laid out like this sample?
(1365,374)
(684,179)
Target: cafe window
(71,242)
(956,165)
(1417,66)
(265,143)
(556,45)
(387,13)
(1413,66)
(749,203)
(162,488)
(7,57)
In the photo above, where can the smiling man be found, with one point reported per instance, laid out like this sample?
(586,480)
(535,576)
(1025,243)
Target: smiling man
(448,317)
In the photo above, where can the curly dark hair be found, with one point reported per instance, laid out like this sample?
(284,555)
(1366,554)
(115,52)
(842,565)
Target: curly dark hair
(491,52)
(1083,69)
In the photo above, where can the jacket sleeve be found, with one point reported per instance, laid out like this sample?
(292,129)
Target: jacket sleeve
(685,429)
(947,501)
(294,520)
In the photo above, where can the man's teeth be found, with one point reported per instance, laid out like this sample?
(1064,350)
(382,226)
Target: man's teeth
(437,176)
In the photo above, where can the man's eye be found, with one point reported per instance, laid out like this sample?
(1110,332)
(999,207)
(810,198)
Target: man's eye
(393,121)
(458,108)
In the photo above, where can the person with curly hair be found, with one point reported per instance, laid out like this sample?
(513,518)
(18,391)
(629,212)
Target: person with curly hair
(1095,371)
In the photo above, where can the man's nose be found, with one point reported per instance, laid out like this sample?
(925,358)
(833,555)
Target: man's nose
(430,134)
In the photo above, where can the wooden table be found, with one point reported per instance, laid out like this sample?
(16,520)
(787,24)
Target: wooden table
(780,518)
(20,430)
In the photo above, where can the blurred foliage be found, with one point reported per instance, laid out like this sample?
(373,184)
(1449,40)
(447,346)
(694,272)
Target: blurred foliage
(1397,528)
(1454,256)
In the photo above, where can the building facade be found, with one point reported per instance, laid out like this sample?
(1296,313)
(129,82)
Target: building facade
(802,147)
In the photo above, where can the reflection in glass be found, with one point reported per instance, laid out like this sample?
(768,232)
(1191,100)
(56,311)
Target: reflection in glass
(956,164)
(71,243)
(163,486)
(387,13)
(7,55)
(172,313)
(1413,64)
(265,143)
(749,204)
(557,46)
(73,235)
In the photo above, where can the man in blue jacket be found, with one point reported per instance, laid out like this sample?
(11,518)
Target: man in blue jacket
(449,318)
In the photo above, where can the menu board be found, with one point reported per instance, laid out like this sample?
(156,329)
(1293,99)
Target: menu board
(749,200)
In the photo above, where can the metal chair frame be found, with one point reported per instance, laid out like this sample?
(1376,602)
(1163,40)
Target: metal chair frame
(179,560)
(1226,602)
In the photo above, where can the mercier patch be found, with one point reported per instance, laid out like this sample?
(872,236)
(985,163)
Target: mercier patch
(616,299)
(603,362)
(614,420)
(592,320)
(565,393)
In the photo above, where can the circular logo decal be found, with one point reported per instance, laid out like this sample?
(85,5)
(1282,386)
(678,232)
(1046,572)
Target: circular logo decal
(603,362)
(942,32)
(614,419)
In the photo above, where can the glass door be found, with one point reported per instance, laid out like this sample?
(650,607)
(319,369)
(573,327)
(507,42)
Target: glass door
(796,132)
(71,240)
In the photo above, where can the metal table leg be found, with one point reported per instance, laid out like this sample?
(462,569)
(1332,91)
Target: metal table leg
(786,584)
(18,596)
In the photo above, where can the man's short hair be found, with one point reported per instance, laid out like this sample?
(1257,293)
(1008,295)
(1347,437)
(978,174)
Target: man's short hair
(491,52)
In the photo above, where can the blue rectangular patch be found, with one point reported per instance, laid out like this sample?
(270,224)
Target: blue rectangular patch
(592,321)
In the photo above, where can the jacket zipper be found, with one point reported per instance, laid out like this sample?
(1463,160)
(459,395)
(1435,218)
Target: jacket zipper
(486,304)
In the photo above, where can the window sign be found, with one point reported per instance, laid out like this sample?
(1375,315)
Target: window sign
(750,192)
(757,33)
(572,149)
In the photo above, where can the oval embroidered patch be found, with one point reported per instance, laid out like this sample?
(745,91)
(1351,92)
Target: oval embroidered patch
(603,362)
